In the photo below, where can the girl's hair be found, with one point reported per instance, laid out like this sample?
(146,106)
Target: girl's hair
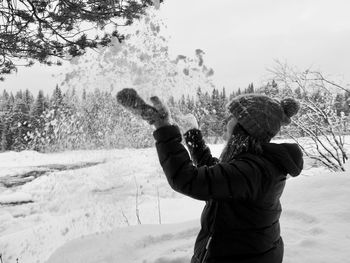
(240,142)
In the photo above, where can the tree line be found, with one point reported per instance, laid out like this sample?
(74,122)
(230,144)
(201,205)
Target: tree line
(94,119)
(67,121)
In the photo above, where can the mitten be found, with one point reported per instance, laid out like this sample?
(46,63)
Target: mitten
(194,140)
(133,102)
(163,117)
(200,153)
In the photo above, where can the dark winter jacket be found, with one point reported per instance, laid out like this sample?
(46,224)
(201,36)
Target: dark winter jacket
(240,222)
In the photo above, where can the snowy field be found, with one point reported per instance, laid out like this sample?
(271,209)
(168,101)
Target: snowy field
(81,207)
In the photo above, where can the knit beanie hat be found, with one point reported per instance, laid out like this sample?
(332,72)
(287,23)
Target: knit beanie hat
(262,116)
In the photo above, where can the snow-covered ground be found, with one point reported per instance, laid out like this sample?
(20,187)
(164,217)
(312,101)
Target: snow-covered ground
(81,207)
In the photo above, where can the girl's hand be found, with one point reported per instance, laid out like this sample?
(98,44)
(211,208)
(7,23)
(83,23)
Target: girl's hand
(157,115)
(163,116)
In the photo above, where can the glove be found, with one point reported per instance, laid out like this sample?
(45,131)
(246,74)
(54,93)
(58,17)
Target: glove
(157,115)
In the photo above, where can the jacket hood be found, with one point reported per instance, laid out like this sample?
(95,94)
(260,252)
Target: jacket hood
(287,156)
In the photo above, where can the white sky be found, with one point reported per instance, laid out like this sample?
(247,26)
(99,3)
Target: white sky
(242,38)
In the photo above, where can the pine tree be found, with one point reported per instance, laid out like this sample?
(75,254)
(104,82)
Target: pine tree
(4,104)
(11,101)
(5,136)
(28,99)
(190,103)
(39,105)
(5,95)
(19,106)
(57,98)
(69,101)
(215,101)
(19,95)
(223,94)
(250,88)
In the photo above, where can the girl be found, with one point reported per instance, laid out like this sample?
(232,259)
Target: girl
(242,189)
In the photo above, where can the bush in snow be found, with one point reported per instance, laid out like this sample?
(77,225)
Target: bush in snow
(318,118)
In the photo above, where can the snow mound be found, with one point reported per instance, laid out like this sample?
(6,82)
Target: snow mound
(159,243)
(314,223)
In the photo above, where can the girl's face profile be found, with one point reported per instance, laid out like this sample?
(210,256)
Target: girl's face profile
(231,122)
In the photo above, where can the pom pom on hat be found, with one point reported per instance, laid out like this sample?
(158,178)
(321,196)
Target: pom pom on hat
(290,106)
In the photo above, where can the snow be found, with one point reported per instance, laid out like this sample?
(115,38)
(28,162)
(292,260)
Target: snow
(70,204)
(159,243)
(315,228)
(142,62)
(13,161)
(89,214)
(15,198)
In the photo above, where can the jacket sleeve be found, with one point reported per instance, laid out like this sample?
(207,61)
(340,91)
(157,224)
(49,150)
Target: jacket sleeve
(200,152)
(237,179)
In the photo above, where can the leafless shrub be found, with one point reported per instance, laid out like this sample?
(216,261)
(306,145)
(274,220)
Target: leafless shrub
(317,118)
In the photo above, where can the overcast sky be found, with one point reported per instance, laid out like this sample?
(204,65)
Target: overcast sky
(242,38)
